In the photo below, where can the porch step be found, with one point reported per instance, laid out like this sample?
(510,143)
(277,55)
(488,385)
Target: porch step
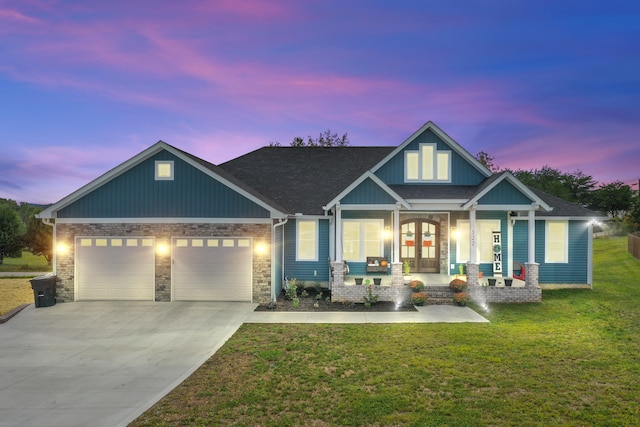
(439,295)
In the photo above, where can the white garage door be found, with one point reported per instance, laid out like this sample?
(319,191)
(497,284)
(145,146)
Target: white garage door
(212,269)
(115,268)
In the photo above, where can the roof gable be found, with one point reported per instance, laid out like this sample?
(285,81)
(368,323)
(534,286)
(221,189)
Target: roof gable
(503,190)
(464,169)
(367,190)
(130,190)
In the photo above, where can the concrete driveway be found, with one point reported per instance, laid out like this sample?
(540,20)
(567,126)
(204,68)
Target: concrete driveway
(104,363)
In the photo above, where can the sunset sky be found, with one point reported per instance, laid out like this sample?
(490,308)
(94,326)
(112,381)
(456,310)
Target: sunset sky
(85,85)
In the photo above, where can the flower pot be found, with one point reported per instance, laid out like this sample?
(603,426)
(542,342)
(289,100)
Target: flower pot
(377,281)
(507,282)
(358,280)
(492,282)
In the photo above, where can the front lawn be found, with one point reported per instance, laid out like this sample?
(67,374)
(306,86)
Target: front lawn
(14,292)
(570,360)
(28,263)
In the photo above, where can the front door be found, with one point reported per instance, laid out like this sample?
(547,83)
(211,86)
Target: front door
(420,245)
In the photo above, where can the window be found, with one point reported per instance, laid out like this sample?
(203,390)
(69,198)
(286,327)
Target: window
(427,164)
(164,170)
(362,238)
(307,239)
(557,242)
(484,244)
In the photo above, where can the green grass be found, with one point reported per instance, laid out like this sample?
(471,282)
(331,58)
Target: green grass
(28,262)
(571,360)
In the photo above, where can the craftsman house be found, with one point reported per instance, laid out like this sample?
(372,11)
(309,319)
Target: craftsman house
(166,225)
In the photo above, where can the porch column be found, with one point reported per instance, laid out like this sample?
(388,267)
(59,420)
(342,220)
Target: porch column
(473,267)
(396,234)
(338,233)
(531,268)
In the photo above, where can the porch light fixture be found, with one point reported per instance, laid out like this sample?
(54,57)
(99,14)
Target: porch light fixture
(261,248)
(387,233)
(62,248)
(454,233)
(162,249)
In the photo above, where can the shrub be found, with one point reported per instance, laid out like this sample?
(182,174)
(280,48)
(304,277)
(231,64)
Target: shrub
(416,285)
(461,298)
(458,285)
(419,298)
(291,289)
(370,298)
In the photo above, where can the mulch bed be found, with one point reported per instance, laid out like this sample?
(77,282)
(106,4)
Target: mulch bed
(307,303)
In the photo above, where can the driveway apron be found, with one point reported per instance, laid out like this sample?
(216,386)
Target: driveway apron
(104,363)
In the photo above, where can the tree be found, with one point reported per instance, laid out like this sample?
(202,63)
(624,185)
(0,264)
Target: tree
(325,139)
(11,233)
(574,187)
(487,161)
(39,238)
(615,199)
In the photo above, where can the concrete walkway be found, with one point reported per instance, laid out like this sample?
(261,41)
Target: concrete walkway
(105,363)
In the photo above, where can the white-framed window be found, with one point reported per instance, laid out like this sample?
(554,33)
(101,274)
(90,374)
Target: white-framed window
(362,238)
(164,170)
(307,240)
(556,242)
(427,164)
(484,239)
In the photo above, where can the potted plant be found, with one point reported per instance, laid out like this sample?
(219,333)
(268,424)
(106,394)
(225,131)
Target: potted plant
(416,285)
(461,298)
(458,285)
(492,282)
(419,298)
(406,272)
(377,281)
(409,240)
(359,280)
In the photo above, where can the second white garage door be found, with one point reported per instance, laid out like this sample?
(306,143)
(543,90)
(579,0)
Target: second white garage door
(212,269)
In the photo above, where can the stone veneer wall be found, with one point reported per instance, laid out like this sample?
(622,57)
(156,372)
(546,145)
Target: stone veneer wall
(65,267)
(356,293)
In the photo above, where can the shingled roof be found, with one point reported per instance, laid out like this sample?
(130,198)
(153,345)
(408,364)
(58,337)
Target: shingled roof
(303,179)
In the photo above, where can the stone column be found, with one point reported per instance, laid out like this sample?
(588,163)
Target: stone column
(396,274)
(338,273)
(472,274)
(531,277)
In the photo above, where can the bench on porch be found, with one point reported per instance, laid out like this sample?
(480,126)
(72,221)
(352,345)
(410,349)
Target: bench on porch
(377,264)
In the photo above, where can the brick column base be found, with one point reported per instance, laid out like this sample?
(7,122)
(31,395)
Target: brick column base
(472,275)
(531,277)
(338,274)
(396,274)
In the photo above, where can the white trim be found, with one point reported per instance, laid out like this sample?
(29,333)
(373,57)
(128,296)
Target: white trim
(156,169)
(367,207)
(422,163)
(565,242)
(561,218)
(164,220)
(446,139)
(478,259)
(316,239)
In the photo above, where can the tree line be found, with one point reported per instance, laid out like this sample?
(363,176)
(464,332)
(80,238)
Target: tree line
(20,230)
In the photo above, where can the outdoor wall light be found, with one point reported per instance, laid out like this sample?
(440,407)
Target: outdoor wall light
(454,233)
(62,248)
(387,233)
(162,249)
(261,248)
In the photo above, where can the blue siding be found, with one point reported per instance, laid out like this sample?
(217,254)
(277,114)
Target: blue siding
(575,271)
(360,268)
(504,193)
(136,194)
(303,271)
(368,192)
(462,173)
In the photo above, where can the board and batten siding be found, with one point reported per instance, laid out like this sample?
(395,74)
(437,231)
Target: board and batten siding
(573,272)
(137,194)
(504,193)
(368,192)
(307,271)
(462,173)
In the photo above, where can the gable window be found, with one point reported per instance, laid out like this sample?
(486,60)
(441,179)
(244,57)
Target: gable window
(556,242)
(427,164)
(484,242)
(307,240)
(362,238)
(164,170)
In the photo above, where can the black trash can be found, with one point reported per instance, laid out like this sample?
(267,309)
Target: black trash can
(44,290)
